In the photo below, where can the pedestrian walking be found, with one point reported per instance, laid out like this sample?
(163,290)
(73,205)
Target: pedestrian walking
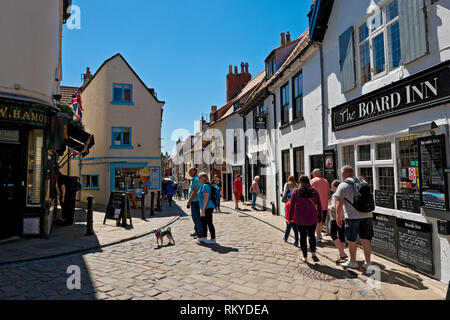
(179,190)
(194,202)
(68,188)
(305,209)
(255,191)
(237,191)
(323,188)
(289,188)
(207,208)
(170,192)
(217,183)
(337,233)
(186,189)
(355,202)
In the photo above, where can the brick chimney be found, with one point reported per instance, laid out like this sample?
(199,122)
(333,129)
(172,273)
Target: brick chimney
(213,114)
(283,38)
(87,76)
(288,37)
(237,81)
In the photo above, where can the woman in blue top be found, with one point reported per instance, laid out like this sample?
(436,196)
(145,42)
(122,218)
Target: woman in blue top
(207,209)
(170,191)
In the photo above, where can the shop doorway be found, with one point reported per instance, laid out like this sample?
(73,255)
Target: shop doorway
(10,189)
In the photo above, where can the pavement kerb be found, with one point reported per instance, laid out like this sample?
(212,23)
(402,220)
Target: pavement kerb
(377,292)
(84,250)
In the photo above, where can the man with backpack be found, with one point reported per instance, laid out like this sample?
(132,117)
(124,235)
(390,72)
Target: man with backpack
(355,201)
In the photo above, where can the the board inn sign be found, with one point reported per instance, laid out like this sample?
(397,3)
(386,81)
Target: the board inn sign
(426,89)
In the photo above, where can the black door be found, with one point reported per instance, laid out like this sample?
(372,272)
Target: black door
(9,189)
(316,163)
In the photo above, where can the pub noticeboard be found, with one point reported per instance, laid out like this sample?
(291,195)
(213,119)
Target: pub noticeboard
(408,202)
(415,247)
(384,241)
(385,199)
(117,209)
(329,165)
(433,179)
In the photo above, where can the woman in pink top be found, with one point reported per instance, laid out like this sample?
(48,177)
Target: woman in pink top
(305,209)
(323,188)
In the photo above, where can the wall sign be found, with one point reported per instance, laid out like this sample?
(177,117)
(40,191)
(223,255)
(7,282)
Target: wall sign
(385,199)
(432,165)
(415,246)
(422,90)
(260,122)
(155,178)
(23,113)
(385,235)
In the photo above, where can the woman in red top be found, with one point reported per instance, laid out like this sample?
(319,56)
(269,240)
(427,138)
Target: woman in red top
(304,210)
(237,190)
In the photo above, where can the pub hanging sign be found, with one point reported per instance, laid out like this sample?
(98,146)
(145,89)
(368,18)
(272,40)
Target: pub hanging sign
(260,122)
(423,90)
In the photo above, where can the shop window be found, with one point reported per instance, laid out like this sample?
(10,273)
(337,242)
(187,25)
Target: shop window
(386,179)
(90,182)
(285,104)
(364,153)
(127,180)
(122,93)
(286,161)
(348,156)
(407,160)
(34,173)
(299,163)
(121,138)
(367,175)
(383,151)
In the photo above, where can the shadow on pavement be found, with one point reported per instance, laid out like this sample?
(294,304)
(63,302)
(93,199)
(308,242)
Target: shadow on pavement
(326,273)
(220,249)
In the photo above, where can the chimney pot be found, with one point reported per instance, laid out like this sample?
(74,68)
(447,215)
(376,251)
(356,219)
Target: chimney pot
(246,67)
(235,69)
(283,38)
(242,67)
(230,69)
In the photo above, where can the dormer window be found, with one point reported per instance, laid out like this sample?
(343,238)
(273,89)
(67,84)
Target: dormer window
(270,65)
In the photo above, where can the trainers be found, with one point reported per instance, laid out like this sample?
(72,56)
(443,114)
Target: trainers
(193,234)
(210,241)
(367,265)
(201,241)
(350,264)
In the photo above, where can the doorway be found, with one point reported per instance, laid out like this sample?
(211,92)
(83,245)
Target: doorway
(10,189)
(316,162)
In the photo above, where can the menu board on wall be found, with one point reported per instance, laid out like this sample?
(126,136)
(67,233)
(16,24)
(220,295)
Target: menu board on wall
(408,202)
(415,247)
(385,199)
(329,165)
(433,181)
(384,241)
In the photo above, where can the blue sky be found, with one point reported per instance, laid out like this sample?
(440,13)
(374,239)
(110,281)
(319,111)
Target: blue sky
(182,48)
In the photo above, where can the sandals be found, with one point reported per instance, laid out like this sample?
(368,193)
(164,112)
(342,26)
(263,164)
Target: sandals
(315,259)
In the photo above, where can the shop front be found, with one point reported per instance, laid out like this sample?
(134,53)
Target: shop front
(27,156)
(397,139)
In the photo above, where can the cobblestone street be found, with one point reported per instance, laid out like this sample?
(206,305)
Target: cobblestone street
(250,262)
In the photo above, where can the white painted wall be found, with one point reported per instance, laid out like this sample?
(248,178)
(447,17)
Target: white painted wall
(29,58)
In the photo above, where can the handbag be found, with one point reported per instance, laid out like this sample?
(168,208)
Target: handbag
(319,214)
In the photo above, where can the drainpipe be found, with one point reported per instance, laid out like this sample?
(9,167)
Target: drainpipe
(322,92)
(277,197)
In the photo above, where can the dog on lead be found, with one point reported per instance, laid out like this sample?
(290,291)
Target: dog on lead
(160,234)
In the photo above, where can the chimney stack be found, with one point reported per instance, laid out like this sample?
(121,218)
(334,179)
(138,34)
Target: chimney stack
(237,81)
(283,38)
(87,76)
(212,115)
(230,69)
(246,67)
(235,70)
(242,67)
(288,37)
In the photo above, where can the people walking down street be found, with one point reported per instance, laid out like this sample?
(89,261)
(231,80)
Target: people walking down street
(255,191)
(185,185)
(194,202)
(355,202)
(207,209)
(337,233)
(289,188)
(237,191)
(305,209)
(179,190)
(170,192)
(323,188)
(217,183)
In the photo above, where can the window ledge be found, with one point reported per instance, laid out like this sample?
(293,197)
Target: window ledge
(90,188)
(284,126)
(297,120)
(121,147)
(124,103)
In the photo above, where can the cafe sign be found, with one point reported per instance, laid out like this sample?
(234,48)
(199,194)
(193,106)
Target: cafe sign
(26,115)
(423,90)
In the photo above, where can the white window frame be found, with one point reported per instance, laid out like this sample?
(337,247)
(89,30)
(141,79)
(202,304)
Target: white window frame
(383,29)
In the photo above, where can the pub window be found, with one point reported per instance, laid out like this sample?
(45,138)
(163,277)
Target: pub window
(379,43)
(367,175)
(386,179)
(34,177)
(285,104)
(364,152)
(298,96)
(383,151)
(299,163)
(407,159)
(348,156)
(286,158)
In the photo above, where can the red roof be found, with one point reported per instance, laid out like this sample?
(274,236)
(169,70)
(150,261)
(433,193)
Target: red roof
(66,94)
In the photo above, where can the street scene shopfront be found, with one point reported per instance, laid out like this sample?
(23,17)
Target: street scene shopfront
(397,139)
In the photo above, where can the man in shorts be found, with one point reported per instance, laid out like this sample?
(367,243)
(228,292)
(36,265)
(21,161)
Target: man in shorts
(356,222)
(322,186)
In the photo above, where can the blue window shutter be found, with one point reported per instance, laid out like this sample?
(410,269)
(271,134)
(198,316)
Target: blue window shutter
(413,29)
(347,60)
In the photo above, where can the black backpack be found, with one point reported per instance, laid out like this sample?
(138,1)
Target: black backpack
(213,196)
(363,200)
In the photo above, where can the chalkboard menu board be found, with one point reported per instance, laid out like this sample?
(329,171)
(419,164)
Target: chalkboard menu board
(415,246)
(117,208)
(433,179)
(408,202)
(384,241)
(329,165)
(385,199)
